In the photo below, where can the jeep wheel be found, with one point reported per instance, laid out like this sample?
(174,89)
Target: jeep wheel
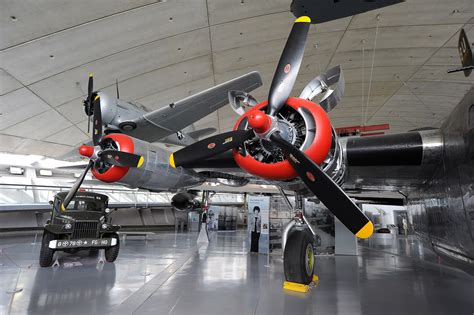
(112,252)
(46,253)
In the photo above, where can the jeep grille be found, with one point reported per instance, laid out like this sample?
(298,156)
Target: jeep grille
(86,229)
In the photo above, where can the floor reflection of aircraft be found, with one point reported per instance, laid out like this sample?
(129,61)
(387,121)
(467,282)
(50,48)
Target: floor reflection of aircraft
(290,142)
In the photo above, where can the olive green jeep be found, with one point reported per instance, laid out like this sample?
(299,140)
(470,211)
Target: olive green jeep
(84,224)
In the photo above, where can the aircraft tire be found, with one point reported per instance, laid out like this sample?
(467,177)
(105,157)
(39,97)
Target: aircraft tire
(298,258)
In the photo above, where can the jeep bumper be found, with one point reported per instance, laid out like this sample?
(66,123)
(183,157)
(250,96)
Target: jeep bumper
(82,243)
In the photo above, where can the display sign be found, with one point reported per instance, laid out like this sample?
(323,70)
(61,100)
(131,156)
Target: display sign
(258,209)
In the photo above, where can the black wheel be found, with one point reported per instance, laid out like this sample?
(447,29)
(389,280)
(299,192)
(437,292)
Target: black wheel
(112,252)
(298,259)
(46,253)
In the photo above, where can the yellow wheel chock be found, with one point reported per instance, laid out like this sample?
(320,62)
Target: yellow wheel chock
(299,287)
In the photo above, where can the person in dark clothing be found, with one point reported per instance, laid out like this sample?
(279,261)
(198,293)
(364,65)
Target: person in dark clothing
(256,228)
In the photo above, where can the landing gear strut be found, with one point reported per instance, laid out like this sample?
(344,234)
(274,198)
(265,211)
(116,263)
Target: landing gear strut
(298,246)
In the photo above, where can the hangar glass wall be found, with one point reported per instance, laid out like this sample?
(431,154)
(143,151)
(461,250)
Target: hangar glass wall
(25,189)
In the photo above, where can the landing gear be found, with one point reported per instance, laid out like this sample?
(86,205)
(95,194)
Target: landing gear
(298,258)
(298,251)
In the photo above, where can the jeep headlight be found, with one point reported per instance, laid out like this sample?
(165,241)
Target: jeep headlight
(67,226)
(104,226)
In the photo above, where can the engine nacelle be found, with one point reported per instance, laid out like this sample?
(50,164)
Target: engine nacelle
(302,123)
(119,114)
(154,174)
(184,201)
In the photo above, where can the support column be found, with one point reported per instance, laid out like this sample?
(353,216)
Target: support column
(346,242)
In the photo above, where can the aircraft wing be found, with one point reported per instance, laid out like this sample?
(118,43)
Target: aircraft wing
(171,119)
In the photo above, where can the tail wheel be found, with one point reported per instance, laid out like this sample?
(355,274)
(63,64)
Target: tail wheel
(46,253)
(299,257)
(112,252)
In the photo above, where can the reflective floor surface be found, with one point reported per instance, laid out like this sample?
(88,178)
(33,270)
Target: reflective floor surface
(170,274)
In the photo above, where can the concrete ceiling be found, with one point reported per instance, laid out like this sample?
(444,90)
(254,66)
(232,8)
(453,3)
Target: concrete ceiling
(162,51)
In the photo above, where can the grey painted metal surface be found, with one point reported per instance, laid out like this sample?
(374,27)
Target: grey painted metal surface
(442,211)
(168,274)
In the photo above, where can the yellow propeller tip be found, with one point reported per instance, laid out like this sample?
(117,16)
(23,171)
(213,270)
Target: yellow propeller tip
(140,162)
(172,161)
(62,207)
(91,74)
(303,19)
(366,231)
(97,97)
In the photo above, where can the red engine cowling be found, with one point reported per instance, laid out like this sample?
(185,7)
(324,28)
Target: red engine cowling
(317,151)
(114,173)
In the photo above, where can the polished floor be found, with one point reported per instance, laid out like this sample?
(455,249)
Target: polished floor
(170,274)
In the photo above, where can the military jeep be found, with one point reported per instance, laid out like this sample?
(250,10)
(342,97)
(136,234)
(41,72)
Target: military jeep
(84,224)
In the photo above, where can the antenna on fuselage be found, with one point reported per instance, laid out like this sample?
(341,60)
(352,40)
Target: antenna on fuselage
(116,86)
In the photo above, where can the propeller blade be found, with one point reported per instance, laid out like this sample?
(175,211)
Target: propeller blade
(90,85)
(72,192)
(97,127)
(289,65)
(120,158)
(323,187)
(90,89)
(209,147)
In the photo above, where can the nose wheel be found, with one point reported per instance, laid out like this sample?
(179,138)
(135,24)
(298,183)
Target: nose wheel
(298,257)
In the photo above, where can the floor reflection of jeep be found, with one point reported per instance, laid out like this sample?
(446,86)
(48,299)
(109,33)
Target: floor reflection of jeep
(83,225)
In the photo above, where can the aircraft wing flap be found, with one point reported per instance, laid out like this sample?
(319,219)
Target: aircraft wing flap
(176,116)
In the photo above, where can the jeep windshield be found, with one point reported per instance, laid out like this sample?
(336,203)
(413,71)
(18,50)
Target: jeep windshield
(86,203)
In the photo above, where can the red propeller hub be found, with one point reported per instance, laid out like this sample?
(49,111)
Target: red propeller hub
(259,121)
(86,150)
(317,151)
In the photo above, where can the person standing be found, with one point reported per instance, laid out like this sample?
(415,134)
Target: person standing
(405,226)
(256,228)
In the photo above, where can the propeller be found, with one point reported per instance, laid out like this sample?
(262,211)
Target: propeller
(266,127)
(96,153)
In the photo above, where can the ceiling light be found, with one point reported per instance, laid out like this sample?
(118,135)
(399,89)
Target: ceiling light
(13,18)
(16,170)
